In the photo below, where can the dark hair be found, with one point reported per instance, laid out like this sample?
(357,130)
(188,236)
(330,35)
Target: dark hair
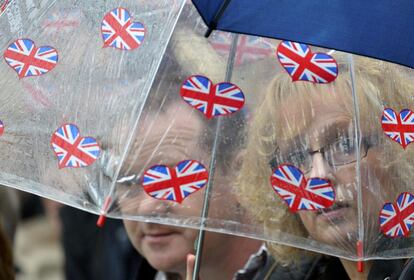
(6,257)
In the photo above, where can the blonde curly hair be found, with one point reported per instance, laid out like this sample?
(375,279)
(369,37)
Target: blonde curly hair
(377,85)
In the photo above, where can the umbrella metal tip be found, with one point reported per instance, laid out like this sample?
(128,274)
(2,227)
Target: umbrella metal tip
(360,252)
(101,221)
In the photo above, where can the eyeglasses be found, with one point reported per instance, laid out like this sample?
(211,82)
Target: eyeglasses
(338,153)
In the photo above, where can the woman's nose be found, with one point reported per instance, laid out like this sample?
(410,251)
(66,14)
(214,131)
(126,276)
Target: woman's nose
(320,167)
(151,206)
(142,204)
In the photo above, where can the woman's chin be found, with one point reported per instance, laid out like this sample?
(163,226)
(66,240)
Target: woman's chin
(341,235)
(167,263)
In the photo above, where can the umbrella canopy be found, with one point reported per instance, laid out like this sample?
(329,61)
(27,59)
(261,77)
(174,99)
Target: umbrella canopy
(79,74)
(274,140)
(367,28)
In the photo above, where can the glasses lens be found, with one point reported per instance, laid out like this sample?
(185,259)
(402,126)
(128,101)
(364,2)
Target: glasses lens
(300,159)
(344,151)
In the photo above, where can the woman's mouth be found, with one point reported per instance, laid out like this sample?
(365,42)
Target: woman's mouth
(158,237)
(336,213)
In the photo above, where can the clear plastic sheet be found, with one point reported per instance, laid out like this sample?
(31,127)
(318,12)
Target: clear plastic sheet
(130,102)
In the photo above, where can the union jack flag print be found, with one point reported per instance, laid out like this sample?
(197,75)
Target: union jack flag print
(212,100)
(396,220)
(61,21)
(3,6)
(119,31)
(249,48)
(399,127)
(175,184)
(298,192)
(27,60)
(303,65)
(71,149)
(1,128)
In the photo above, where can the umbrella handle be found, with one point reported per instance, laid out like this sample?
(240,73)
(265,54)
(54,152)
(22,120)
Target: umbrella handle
(206,204)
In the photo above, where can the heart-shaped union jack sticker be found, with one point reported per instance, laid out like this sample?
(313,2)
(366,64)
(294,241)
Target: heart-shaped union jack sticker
(3,6)
(212,100)
(1,128)
(71,149)
(398,127)
(119,31)
(303,65)
(176,183)
(300,193)
(396,219)
(28,60)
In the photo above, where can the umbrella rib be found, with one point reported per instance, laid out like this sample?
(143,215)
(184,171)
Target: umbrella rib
(213,24)
(360,244)
(212,166)
(137,108)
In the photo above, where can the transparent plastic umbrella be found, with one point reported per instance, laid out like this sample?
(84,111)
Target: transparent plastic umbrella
(312,157)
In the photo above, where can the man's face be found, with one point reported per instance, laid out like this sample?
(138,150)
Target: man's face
(165,138)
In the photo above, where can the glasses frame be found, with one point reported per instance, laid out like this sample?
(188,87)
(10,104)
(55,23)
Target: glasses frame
(367,142)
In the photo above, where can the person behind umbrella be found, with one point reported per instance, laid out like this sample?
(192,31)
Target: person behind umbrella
(168,136)
(313,127)
(170,131)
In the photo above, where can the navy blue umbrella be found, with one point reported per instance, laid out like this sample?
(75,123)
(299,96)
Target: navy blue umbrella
(381,29)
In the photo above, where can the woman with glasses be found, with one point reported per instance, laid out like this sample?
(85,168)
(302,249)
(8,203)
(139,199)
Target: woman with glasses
(331,132)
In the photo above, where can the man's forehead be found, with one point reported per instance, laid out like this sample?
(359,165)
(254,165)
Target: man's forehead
(165,138)
(162,118)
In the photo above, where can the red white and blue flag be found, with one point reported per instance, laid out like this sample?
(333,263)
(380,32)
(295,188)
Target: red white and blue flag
(399,127)
(71,149)
(212,100)
(3,6)
(119,31)
(28,60)
(61,21)
(298,192)
(249,48)
(303,65)
(396,220)
(1,128)
(175,184)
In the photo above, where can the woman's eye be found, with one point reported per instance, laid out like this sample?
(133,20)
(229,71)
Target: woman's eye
(296,158)
(346,146)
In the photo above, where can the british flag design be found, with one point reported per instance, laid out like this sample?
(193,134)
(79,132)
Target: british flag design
(3,6)
(212,100)
(119,31)
(61,21)
(249,48)
(1,128)
(398,127)
(298,192)
(28,60)
(303,65)
(71,149)
(176,183)
(396,220)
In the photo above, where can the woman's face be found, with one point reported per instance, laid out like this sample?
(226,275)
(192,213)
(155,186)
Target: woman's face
(328,148)
(163,139)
